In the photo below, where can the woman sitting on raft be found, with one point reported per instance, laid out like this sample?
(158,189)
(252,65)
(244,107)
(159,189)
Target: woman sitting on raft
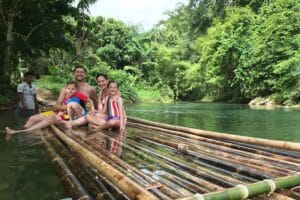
(114,113)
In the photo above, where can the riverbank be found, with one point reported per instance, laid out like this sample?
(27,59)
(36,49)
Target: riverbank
(267,103)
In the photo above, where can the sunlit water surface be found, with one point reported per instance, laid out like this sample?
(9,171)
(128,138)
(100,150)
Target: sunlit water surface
(278,124)
(26,172)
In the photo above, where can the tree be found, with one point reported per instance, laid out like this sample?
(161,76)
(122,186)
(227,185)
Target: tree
(116,44)
(29,29)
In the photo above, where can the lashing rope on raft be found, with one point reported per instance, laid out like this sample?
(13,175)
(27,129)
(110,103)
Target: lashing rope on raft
(244,190)
(199,196)
(272,185)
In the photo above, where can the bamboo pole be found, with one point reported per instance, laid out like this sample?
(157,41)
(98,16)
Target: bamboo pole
(93,144)
(183,191)
(219,150)
(266,142)
(282,152)
(183,183)
(250,190)
(117,193)
(254,164)
(217,143)
(204,183)
(233,167)
(168,191)
(204,174)
(113,189)
(68,179)
(274,196)
(95,186)
(130,188)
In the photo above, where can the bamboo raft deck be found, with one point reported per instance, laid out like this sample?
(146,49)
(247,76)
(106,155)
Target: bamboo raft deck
(159,161)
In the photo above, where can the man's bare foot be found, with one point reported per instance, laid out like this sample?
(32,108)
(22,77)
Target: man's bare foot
(8,133)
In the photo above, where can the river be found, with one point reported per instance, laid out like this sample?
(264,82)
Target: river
(26,172)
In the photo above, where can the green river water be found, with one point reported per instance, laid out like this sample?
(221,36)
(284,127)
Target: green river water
(26,172)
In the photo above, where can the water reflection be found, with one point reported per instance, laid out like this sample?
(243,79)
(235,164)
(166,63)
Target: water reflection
(111,141)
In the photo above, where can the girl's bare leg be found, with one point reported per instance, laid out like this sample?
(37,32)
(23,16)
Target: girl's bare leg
(113,123)
(95,119)
(70,111)
(74,109)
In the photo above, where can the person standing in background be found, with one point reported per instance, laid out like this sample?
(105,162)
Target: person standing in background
(28,104)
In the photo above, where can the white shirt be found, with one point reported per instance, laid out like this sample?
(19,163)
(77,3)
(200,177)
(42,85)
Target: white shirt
(27,95)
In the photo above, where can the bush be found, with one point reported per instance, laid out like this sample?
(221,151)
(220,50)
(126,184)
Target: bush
(52,83)
(151,94)
(124,81)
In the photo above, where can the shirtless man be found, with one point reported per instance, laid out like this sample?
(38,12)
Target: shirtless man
(83,87)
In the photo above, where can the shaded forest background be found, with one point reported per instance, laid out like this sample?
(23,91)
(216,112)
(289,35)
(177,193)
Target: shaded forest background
(219,50)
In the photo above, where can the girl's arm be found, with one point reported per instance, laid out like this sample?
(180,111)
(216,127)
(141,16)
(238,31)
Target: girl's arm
(122,114)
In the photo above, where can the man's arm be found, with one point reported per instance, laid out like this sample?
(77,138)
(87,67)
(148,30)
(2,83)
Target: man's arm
(21,97)
(91,102)
(36,104)
(60,101)
(93,97)
(21,100)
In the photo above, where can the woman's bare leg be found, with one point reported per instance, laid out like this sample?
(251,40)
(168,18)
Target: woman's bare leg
(33,119)
(39,123)
(43,123)
(80,121)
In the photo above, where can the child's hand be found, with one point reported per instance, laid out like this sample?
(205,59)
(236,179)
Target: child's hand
(93,112)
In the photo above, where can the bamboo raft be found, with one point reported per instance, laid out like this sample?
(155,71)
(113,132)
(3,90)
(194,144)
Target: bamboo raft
(159,161)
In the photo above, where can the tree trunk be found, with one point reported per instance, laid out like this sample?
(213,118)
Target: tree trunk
(79,46)
(5,68)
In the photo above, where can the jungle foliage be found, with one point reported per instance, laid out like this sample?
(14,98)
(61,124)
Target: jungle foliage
(224,50)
